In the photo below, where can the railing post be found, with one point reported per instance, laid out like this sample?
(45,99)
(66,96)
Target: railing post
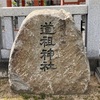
(23,2)
(7,37)
(93,29)
(9,3)
(0,38)
(9,32)
(36,3)
(77,19)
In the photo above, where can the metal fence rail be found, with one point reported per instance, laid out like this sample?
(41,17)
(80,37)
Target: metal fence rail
(23,11)
(9,29)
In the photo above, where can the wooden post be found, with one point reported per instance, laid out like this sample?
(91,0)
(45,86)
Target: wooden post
(23,2)
(36,3)
(93,28)
(42,2)
(9,3)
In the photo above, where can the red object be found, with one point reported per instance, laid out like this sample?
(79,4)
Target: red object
(23,2)
(42,3)
(9,3)
(78,2)
(82,0)
(36,3)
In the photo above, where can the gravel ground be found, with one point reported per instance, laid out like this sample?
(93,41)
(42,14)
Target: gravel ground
(93,93)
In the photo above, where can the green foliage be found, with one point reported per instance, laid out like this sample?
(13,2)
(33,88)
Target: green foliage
(43,95)
(25,96)
(14,3)
(35,98)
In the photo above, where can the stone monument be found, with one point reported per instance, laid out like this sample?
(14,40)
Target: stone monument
(48,55)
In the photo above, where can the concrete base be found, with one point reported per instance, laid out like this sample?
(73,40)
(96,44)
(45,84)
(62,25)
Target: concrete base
(3,69)
(97,74)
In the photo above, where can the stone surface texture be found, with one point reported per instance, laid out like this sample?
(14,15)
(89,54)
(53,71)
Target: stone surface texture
(72,73)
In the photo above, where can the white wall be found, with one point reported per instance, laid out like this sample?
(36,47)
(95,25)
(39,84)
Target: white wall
(3,3)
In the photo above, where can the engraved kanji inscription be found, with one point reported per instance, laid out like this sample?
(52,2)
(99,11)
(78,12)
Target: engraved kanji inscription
(47,31)
(45,66)
(47,41)
(47,53)
(47,28)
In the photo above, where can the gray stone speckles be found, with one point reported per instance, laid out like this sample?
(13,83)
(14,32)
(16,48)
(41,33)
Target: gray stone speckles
(18,84)
(70,73)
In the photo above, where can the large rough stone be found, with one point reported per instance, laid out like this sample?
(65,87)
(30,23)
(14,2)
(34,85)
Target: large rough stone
(49,39)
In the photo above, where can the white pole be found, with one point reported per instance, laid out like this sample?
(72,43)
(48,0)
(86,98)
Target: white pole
(0,37)
(93,29)
(9,33)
